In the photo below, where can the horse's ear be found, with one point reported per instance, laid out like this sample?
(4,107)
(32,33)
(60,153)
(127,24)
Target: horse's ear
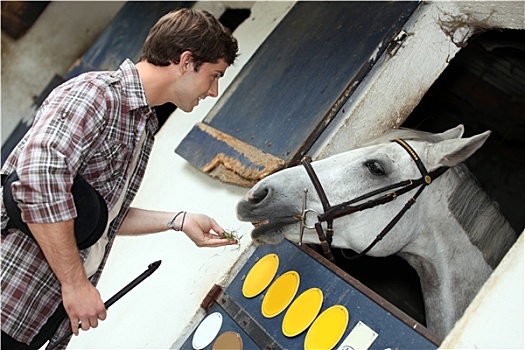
(455,151)
(454,133)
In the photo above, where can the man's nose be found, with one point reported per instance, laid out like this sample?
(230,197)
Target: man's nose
(214,90)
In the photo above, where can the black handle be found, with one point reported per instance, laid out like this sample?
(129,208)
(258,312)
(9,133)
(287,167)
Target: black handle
(151,268)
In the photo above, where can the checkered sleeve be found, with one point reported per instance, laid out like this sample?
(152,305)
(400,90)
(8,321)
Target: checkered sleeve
(63,131)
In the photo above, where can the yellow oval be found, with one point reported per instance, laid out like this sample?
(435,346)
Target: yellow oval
(280,294)
(260,275)
(302,312)
(327,329)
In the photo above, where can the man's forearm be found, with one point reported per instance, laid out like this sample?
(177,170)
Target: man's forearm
(141,221)
(57,241)
(201,229)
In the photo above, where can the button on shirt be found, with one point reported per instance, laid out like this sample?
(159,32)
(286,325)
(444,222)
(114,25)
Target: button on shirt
(90,125)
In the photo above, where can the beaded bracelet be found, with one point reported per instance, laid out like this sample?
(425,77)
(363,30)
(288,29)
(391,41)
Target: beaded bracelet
(171,224)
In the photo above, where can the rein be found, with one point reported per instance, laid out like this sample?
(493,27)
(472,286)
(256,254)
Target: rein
(348,207)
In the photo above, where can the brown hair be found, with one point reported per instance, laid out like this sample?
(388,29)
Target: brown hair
(189,30)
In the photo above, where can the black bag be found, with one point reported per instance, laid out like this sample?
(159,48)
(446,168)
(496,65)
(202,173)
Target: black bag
(92,211)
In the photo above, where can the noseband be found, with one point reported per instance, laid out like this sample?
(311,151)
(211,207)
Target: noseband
(349,207)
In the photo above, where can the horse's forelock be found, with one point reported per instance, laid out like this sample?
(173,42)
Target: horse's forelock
(405,134)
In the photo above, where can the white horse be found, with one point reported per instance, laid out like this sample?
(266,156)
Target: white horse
(453,236)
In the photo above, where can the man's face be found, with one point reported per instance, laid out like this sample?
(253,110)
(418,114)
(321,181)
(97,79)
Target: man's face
(195,86)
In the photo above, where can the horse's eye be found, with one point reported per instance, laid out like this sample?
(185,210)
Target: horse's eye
(375,168)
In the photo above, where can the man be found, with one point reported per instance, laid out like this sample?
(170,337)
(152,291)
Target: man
(100,127)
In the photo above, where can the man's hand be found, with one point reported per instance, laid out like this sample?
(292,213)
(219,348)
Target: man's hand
(204,231)
(83,305)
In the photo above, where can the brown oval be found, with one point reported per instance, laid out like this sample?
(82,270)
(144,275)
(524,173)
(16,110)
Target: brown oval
(228,341)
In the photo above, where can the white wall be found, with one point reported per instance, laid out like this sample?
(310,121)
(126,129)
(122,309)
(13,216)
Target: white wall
(161,311)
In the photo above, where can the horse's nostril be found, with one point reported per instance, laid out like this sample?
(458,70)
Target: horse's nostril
(258,195)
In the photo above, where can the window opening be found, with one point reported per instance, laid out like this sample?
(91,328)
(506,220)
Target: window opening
(483,88)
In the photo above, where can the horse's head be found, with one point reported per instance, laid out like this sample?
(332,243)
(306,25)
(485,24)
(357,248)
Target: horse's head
(275,204)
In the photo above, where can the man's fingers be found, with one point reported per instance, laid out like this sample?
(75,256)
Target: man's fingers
(74,326)
(218,242)
(216,227)
(93,323)
(84,324)
(87,323)
(102,316)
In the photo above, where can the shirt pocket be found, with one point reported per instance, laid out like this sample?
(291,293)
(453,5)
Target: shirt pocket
(111,162)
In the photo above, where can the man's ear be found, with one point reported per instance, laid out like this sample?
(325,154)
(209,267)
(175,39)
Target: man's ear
(186,61)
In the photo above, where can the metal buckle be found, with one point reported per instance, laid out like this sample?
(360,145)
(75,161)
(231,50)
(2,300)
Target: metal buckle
(303,217)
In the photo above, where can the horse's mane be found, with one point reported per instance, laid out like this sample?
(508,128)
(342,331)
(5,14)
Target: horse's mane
(479,216)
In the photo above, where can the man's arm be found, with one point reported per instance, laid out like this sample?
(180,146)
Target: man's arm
(201,229)
(81,299)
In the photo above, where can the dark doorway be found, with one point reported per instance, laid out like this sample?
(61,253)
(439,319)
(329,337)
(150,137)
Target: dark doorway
(483,88)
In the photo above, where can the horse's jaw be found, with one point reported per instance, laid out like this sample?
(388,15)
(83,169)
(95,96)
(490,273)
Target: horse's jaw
(271,238)
(273,231)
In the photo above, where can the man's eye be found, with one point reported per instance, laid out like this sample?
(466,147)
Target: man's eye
(375,168)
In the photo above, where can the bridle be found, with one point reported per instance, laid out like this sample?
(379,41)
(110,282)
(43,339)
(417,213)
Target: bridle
(349,207)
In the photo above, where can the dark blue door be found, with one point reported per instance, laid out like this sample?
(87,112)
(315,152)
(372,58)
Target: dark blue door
(292,88)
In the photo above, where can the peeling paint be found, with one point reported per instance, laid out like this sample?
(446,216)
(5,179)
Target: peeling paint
(231,169)
(376,53)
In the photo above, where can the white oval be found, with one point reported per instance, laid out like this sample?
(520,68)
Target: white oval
(207,331)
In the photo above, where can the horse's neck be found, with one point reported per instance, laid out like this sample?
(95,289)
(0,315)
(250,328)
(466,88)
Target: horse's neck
(451,271)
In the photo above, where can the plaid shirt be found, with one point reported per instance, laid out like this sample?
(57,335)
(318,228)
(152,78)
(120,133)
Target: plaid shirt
(90,125)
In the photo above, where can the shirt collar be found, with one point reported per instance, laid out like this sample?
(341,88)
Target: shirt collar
(135,94)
